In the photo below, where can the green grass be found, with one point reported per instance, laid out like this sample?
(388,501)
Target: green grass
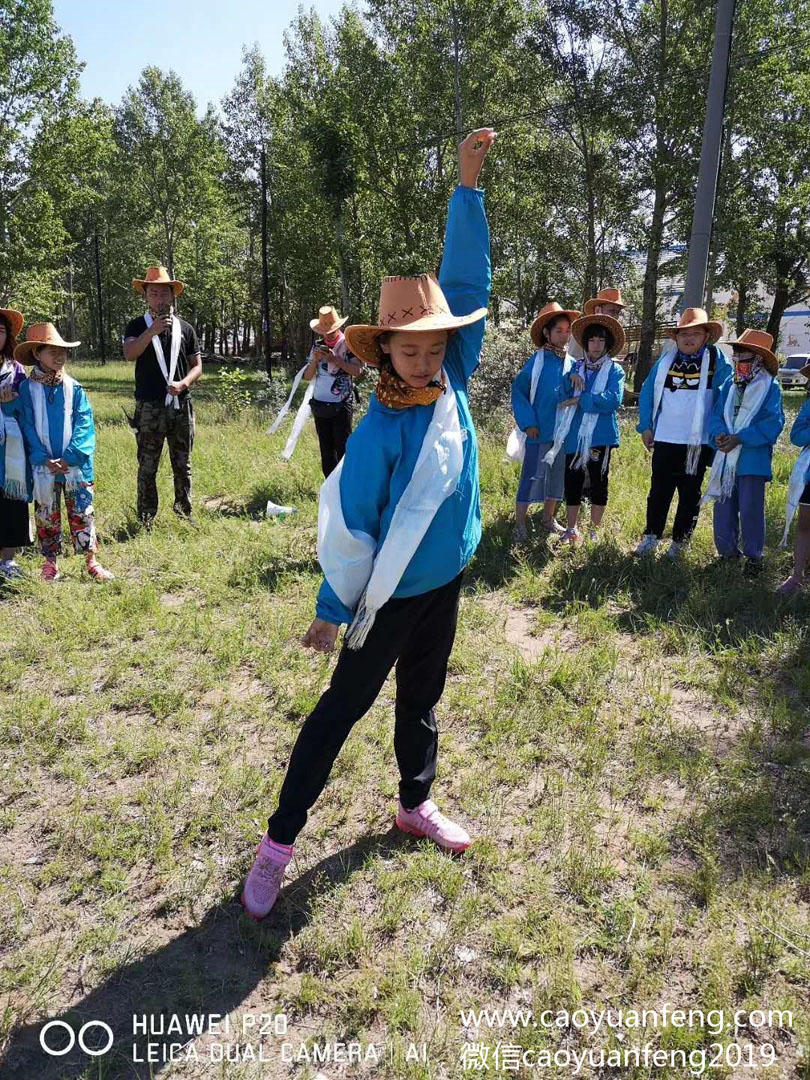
(627,742)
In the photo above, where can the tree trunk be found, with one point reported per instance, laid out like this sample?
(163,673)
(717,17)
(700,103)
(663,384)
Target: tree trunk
(650,302)
(742,300)
(344,270)
(781,301)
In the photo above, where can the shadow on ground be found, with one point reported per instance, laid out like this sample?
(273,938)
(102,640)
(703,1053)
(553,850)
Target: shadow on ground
(210,969)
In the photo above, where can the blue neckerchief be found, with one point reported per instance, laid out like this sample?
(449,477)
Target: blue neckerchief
(696,358)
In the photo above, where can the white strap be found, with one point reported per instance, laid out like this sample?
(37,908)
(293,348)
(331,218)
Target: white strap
(171,399)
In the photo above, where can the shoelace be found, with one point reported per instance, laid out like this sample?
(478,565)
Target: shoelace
(269,874)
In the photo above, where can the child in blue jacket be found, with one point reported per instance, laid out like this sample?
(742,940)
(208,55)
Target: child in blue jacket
(399,520)
(799,496)
(675,407)
(60,436)
(535,399)
(594,428)
(15,468)
(746,421)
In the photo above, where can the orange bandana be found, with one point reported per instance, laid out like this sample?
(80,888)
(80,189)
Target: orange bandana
(397,394)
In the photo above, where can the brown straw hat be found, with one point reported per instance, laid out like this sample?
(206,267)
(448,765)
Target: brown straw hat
(696,317)
(759,343)
(13,318)
(545,315)
(610,324)
(41,333)
(604,296)
(408,304)
(157,275)
(328,321)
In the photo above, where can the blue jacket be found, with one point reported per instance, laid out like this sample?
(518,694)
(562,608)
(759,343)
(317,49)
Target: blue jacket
(82,445)
(758,439)
(382,451)
(646,421)
(543,412)
(14,410)
(606,405)
(800,432)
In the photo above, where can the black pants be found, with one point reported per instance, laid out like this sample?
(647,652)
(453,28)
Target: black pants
(416,633)
(333,431)
(668,476)
(15,522)
(575,478)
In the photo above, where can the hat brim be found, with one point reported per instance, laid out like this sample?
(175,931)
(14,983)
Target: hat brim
(14,318)
(314,324)
(592,305)
(26,347)
(139,285)
(616,329)
(715,330)
(362,339)
(536,330)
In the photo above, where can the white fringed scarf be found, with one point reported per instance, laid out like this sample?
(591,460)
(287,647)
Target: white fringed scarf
(168,374)
(588,425)
(796,486)
(516,443)
(357,575)
(301,416)
(696,434)
(724,469)
(12,446)
(44,480)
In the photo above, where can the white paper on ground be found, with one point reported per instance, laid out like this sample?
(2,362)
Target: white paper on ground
(274,510)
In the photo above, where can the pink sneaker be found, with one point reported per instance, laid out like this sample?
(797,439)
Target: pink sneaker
(426,820)
(98,573)
(50,571)
(263,883)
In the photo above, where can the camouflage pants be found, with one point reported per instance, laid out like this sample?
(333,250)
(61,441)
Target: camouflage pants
(154,423)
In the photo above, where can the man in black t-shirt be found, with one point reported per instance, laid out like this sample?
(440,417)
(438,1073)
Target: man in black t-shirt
(167,364)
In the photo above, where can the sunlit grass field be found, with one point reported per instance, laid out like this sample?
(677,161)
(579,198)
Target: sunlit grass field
(627,741)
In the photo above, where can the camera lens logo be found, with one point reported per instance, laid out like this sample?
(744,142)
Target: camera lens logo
(60,1051)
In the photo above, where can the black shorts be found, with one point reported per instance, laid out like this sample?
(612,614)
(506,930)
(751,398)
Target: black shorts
(15,523)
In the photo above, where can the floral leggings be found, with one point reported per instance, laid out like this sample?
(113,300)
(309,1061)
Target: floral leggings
(81,517)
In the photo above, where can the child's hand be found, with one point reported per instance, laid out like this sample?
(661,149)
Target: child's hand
(57,465)
(569,401)
(471,154)
(726,443)
(648,439)
(532,433)
(7,394)
(321,636)
(577,382)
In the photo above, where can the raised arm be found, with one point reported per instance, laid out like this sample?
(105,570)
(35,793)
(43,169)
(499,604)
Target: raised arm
(465,275)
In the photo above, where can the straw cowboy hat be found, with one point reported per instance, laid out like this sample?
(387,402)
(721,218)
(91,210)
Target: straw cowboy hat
(604,296)
(328,321)
(696,317)
(41,333)
(545,315)
(13,318)
(157,275)
(612,325)
(408,304)
(759,343)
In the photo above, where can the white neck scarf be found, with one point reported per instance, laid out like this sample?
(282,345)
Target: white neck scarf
(169,374)
(724,469)
(796,486)
(563,418)
(588,425)
(696,434)
(44,480)
(301,416)
(357,575)
(516,443)
(12,446)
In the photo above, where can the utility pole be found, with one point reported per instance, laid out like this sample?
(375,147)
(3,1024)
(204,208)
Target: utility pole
(100,309)
(706,192)
(265,288)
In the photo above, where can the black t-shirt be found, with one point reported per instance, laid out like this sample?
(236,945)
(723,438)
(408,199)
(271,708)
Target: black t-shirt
(149,382)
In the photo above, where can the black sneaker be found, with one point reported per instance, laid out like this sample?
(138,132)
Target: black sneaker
(752,568)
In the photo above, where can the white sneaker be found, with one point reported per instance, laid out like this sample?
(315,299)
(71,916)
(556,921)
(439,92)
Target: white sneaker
(553,527)
(648,545)
(593,535)
(675,549)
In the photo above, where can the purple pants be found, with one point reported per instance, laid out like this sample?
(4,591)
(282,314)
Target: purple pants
(743,512)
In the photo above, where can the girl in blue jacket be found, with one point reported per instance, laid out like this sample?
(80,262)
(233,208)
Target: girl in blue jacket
(399,520)
(746,421)
(60,436)
(534,403)
(799,496)
(594,428)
